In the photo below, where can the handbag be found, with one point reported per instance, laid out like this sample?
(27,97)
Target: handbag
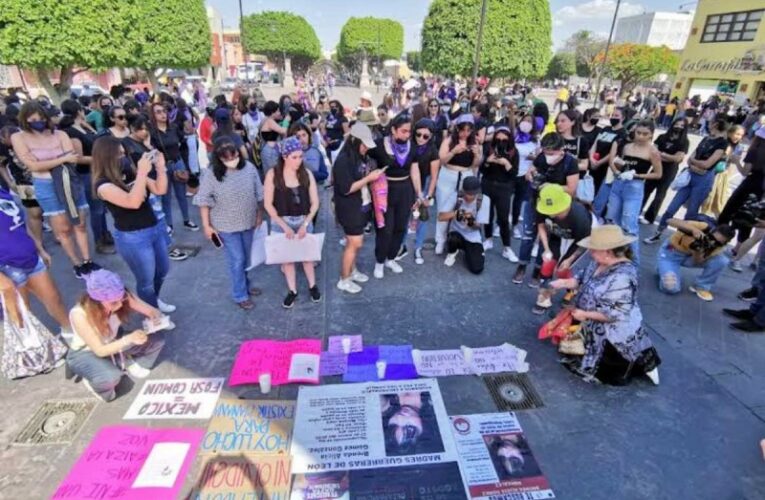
(585,190)
(557,328)
(573,342)
(682,179)
(258,248)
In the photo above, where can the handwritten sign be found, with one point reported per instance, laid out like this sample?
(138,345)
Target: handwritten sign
(243,477)
(440,363)
(501,358)
(256,357)
(335,343)
(176,398)
(333,363)
(398,360)
(250,426)
(114,458)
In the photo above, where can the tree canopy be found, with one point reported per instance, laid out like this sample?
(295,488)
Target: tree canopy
(633,63)
(562,65)
(375,37)
(276,33)
(585,46)
(516,38)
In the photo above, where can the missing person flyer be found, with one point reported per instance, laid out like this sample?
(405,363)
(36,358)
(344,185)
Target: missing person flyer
(354,440)
(495,458)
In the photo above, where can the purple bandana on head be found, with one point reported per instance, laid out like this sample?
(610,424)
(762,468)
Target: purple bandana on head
(104,286)
(290,145)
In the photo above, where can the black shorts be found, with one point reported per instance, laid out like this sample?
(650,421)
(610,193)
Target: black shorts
(30,203)
(353,222)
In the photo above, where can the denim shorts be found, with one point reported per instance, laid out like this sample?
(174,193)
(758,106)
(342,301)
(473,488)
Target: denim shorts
(293,221)
(20,275)
(46,197)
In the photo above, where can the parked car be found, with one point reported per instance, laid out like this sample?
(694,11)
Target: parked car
(87,89)
(228,84)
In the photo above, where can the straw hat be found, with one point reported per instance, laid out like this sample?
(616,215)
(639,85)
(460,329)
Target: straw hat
(367,116)
(606,237)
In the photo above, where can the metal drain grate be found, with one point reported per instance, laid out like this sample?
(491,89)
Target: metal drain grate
(512,391)
(56,422)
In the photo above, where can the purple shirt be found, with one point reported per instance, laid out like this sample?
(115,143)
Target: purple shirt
(17,248)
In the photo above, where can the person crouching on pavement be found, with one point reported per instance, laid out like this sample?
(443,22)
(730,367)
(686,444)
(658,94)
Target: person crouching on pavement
(694,244)
(466,219)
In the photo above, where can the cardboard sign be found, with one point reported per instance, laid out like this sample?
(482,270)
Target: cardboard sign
(176,398)
(288,362)
(250,426)
(128,462)
(243,477)
(333,363)
(280,250)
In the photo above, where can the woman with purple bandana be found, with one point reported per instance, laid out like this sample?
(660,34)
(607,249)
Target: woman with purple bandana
(99,352)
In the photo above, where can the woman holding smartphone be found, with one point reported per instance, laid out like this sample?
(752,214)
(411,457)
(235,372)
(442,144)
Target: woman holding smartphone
(230,201)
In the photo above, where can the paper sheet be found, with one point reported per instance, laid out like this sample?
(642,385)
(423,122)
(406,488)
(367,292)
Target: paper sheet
(280,250)
(161,468)
(333,363)
(335,343)
(275,357)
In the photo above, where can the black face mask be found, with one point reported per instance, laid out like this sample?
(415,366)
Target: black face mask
(594,121)
(253,107)
(615,121)
(677,131)
(501,147)
(333,111)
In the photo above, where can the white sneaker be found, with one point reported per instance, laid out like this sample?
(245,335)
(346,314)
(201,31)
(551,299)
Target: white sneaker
(379,271)
(451,259)
(67,335)
(358,276)
(488,245)
(517,232)
(535,251)
(418,256)
(495,233)
(508,254)
(643,220)
(394,266)
(348,285)
(137,371)
(654,376)
(105,398)
(170,326)
(165,308)
(439,248)
(342,242)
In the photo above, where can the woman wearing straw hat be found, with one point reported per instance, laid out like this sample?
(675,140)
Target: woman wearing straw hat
(617,347)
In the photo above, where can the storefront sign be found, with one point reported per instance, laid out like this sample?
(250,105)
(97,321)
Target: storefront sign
(747,64)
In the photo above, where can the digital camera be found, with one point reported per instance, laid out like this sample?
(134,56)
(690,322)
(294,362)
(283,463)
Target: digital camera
(750,213)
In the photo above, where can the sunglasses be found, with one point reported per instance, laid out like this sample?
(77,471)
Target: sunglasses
(421,135)
(160,111)
(120,117)
(228,154)
(433,106)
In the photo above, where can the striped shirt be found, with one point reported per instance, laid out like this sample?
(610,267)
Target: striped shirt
(234,201)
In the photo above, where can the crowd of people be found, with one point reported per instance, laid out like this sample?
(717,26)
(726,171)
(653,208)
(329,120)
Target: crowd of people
(458,162)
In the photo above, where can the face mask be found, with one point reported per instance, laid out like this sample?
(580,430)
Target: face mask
(445,109)
(677,131)
(594,121)
(551,159)
(38,126)
(501,147)
(253,107)
(125,163)
(333,111)
(463,106)
(525,127)
(231,163)
(615,121)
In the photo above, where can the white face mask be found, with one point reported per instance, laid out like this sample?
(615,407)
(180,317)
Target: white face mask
(231,163)
(525,127)
(551,159)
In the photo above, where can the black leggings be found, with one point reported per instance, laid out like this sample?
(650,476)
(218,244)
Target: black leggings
(520,194)
(669,171)
(499,194)
(474,258)
(736,201)
(390,237)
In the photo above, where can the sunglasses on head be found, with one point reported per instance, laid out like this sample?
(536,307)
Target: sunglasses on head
(423,135)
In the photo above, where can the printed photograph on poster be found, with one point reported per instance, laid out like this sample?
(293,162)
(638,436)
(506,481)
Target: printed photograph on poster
(176,398)
(409,424)
(496,459)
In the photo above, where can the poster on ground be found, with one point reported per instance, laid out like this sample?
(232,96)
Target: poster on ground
(128,462)
(294,361)
(176,398)
(250,426)
(243,477)
(355,440)
(495,458)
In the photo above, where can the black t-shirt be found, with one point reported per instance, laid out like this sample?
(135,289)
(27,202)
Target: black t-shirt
(666,144)
(344,173)
(592,134)
(579,148)
(335,130)
(383,154)
(496,171)
(86,139)
(558,173)
(574,226)
(606,138)
(424,160)
(709,145)
(169,142)
(128,219)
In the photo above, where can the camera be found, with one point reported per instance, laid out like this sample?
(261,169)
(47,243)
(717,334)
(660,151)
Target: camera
(706,244)
(460,215)
(752,211)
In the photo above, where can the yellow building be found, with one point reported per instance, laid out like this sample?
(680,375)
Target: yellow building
(725,52)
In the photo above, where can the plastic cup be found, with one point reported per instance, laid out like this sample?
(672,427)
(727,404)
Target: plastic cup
(346,342)
(265,383)
(381,365)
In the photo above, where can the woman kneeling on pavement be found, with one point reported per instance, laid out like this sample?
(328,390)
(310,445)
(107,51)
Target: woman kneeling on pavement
(617,347)
(292,200)
(98,352)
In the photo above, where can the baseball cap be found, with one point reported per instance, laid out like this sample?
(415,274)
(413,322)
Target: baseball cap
(553,200)
(222,115)
(471,185)
(361,131)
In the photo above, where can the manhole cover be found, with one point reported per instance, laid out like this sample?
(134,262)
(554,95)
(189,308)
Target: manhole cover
(512,391)
(56,422)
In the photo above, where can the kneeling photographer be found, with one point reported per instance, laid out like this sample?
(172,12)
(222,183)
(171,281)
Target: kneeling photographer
(465,220)
(695,244)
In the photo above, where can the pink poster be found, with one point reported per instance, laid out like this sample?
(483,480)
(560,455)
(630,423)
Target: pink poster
(295,361)
(129,462)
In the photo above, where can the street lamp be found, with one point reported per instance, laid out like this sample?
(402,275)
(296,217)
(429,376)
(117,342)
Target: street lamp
(605,54)
(478,41)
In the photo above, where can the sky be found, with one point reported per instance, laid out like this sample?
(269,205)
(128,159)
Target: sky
(328,16)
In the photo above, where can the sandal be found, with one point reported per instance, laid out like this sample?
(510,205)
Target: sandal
(255,291)
(246,304)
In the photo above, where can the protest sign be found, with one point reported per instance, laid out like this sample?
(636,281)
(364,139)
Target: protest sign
(176,398)
(440,363)
(243,477)
(338,343)
(281,250)
(397,364)
(250,426)
(128,462)
(495,458)
(495,359)
(333,363)
(287,362)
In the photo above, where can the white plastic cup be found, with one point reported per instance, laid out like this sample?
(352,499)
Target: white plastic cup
(265,383)
(381,365)
(416,356)
(346,342)
(467,354)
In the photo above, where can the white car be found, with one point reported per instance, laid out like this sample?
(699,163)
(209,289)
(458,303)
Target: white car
(87,89)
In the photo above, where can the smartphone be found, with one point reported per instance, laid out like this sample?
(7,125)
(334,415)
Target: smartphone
(216,241)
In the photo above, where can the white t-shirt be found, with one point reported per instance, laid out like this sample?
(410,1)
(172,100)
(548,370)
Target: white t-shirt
(473,234)
(524,150)
(76,342)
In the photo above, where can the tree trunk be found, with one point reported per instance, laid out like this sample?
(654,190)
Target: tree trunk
(153,79)
(56,93)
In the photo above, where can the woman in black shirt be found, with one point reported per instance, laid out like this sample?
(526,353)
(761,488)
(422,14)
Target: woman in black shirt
(568,126)
(498,183)
(590,127)
(168,139)
(352,173)
(336,127)
(600,151)
(426,156)
(673,146)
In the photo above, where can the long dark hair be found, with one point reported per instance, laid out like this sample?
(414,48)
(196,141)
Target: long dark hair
(298,126)
(105,163)
(352,150)
(683,137)
(70,108)
(28,109)
(302,174)
(454,138)
(511,153)
(576,119)
(219,145)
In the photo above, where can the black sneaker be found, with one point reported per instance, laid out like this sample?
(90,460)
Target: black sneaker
(748,326)
(190,226)
(177,255)
(315,294)
(79,272)
(744,314)
(520,273)
(368,228)
(749,295)
(289,300)
(653,239)
(402,252)
(87,267)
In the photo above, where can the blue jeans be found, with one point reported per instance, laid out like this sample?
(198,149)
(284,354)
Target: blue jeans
(671,260)
(601,199)
(694,193)
(179,188)
(238,246)
(20,275)
(145,252)
(97,209)
(529,231)
(102,374)
(624,203)
(422,226)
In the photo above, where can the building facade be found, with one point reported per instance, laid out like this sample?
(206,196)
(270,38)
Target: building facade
(655,29)
(725,52)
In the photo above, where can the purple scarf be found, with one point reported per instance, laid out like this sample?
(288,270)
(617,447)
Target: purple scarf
(421,149)
(521,137)
(400,151)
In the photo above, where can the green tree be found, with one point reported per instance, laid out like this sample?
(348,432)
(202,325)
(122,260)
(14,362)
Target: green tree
(562,65)
(516,38)
(279,34)
(633,63)
(62,38)
(370,36)
(414,60)
(586,46)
